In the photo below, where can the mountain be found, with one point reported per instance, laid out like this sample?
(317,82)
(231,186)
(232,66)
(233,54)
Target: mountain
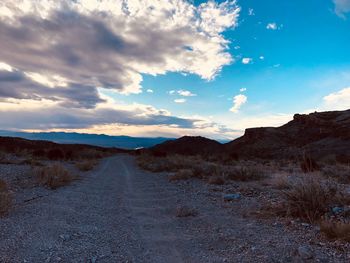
(188,145)
(125,142)
(319,134)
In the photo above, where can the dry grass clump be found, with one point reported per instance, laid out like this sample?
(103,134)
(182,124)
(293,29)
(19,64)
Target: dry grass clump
(280,181)
(310,198)
(182,174)
(5,198)
(53,176)
(85,166)
(184,211)
(218,180)
(244,172)
(336,230)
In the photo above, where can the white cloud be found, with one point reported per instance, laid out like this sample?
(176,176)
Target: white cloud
(238,102)
(247,60)
(186,93)
(251,12)
(261,57)
(339,100)
(172,92)
(342,7)
(149,90)
(237,47)
(242,89)
(180,100)
(111,43)
(273,26)
(5,67)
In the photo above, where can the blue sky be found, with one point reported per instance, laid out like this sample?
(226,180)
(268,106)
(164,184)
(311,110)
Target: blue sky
(286,57)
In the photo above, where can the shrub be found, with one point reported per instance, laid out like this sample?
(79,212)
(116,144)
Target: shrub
(244,173)
(309,165)
(336,230)
(53,176)
(310,198)
(218,180)
(280,181)
(5,198)
(86,165)
(39,153)
(182,174)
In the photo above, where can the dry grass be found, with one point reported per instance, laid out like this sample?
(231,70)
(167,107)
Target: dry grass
(201,168)
(280,181)
(85,166)
(244,172)
(218,180)
(336,230)
(310,197)
(182,174)
(53,176)
(5,198)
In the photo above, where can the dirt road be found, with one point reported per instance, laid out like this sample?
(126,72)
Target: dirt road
(118,213)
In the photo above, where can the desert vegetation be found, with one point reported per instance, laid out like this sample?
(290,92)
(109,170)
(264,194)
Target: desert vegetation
(186,167)
(53,176)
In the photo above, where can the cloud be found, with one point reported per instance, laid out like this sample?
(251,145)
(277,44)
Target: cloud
(180,100)
(247,60)
(238,102)
(261,57)
(273,26)
(251,12)
(339,100)
(342,7)
(149,90)
(112,43)
(186,93)
(242,89)
(29,114)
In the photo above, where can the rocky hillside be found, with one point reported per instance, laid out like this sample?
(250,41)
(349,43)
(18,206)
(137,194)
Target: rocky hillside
(320,134)
(188,145)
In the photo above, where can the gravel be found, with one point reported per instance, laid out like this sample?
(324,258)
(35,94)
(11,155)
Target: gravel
(118,213)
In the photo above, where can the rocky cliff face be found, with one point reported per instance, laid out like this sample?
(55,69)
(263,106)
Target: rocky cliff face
(320,134)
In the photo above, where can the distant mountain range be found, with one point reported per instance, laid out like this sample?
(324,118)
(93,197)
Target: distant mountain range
(125,142)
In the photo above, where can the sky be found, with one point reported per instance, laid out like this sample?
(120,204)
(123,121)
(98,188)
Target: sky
(170,68)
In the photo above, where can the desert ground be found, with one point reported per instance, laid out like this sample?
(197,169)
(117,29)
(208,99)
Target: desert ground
(118,212)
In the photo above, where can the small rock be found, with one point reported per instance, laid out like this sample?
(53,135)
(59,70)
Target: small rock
(231,197)
(305,224)
(305,252)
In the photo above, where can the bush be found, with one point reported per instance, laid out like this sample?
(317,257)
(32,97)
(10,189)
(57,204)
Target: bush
(309,165)
(218,180)
(53,176)
(309,198)
(86,165)
(336,230)
(244,173)
(5,198)
(182,174)
(339,172)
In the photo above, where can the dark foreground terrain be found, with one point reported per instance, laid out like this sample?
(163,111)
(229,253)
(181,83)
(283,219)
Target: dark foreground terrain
(119,213)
